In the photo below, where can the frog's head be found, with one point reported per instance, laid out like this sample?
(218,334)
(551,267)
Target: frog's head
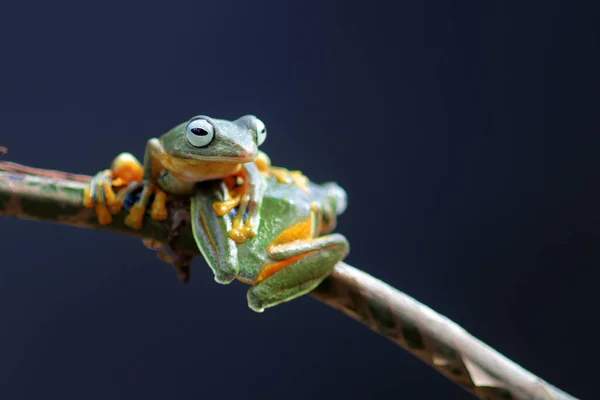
(205,138)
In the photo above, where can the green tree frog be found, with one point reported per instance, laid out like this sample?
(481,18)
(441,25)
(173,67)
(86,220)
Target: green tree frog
(198,150)
(294,249)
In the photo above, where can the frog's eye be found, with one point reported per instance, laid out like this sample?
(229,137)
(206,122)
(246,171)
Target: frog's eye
(261,132)
(199,133)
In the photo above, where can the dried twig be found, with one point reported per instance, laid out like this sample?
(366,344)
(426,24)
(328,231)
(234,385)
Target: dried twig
(55,196)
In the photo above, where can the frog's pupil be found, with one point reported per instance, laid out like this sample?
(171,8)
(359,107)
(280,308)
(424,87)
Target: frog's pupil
(199,132)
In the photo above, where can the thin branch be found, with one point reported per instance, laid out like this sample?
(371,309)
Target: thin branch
(55,196)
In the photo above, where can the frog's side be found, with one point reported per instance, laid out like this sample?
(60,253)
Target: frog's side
(198,150)
(293,250)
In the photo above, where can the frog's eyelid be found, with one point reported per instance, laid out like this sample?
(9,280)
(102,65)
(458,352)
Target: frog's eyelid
(199,132)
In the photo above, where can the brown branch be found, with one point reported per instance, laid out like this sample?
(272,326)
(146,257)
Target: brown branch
(56,196)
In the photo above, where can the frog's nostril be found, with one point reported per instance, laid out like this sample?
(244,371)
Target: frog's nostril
(247,155)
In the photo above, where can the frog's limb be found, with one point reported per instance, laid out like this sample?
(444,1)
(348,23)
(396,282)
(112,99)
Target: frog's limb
(248,196)
(298,268)
(126,169)
(99,194)
(210,231)
(152,167)
(263,163)
(283,175)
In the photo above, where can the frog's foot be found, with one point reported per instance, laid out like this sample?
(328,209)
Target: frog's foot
(237,197)
(283,175)
(100,195)
(138,210)
(125,170)
(245,223)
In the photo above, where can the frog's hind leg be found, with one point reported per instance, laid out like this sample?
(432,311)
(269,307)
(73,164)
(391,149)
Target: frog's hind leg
(298,268)
(211,231)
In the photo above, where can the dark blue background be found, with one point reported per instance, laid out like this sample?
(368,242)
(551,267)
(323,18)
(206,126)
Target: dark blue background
(465,133)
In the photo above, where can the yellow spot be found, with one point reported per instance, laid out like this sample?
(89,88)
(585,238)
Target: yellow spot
(135,217)
(88,200)
(159,209)
(104,217)
(271,269)
(109,193)
(262,162)
(302,230)
(151,244)
(126,169)
(224,207)
(282,174)
(246,280)
(242,233)
(300,180)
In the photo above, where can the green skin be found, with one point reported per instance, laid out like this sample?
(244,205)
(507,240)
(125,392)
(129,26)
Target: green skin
(180,163)
(181,158)
(235,142)
(284,206)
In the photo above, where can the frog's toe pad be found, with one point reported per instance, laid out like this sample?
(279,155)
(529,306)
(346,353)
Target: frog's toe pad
(135,217)
(224,278)
(243,233)
(88,198)
(254,302)
(159,207)
(103,214)
(159,213)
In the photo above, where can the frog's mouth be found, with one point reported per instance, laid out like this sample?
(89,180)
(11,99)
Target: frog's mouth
(234,158)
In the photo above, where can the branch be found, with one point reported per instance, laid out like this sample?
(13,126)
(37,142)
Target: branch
(55,196)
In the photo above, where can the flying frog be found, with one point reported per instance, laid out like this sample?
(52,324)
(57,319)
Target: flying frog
(294,249)
(198,150)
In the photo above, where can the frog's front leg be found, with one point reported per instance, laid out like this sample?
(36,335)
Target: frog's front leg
(152,167)
(125,170)
(248,197)
(211,231)
(297,269)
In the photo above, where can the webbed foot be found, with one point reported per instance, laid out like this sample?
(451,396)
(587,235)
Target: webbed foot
(244,226)
(100,195)
(125,170)
(158,211)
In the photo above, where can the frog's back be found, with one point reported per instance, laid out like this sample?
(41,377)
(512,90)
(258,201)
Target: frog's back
(287,211)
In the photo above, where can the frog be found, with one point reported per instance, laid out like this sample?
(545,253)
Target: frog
(200,149)
(295,248)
